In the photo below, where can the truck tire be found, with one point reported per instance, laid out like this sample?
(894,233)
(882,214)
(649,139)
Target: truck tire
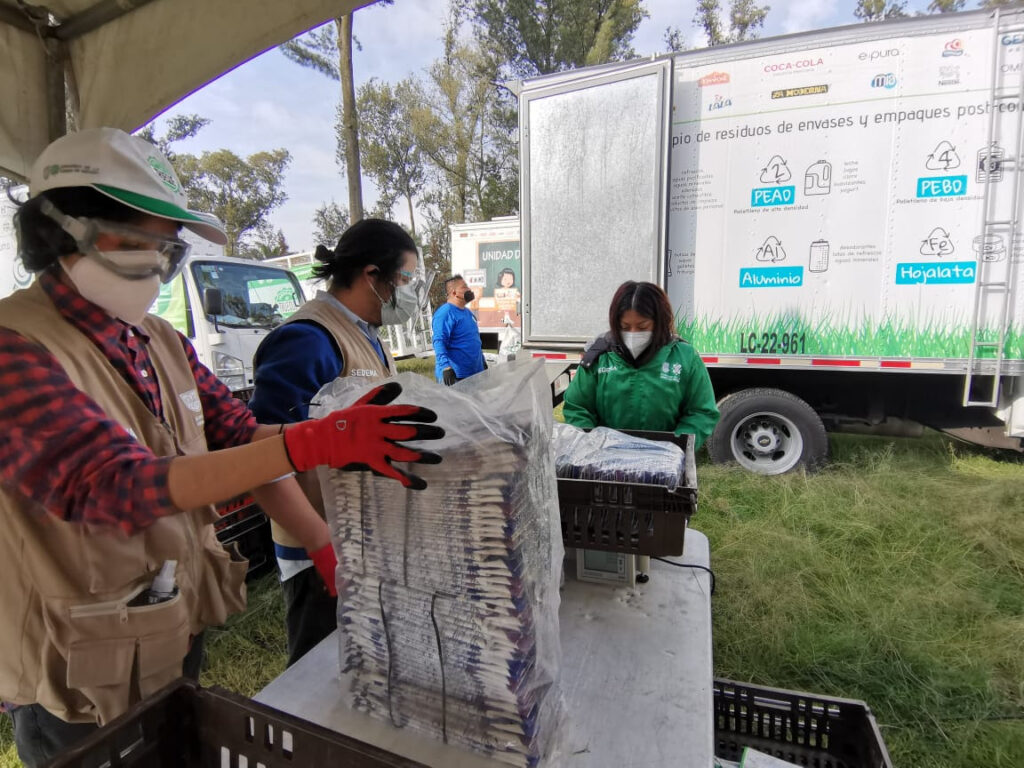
(769,432)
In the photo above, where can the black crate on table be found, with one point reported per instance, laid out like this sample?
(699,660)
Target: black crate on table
(187,726)
(807,729)
(630,517)
(243,523)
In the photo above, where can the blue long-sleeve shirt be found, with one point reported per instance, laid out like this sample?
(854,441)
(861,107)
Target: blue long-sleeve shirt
(456,342)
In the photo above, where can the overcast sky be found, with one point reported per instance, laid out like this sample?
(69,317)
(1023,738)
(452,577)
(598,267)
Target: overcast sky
(270,102)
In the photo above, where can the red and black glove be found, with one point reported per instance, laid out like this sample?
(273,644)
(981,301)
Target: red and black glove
(326,563)
(365,436)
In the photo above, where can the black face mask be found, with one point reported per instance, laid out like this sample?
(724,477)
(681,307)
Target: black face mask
(468,296)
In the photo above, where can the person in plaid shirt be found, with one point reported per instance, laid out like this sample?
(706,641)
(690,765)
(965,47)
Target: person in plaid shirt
(115,441)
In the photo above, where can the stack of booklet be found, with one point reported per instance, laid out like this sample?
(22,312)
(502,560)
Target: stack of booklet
(448,597)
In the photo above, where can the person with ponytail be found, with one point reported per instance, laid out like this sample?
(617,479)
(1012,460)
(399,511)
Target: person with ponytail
(371,280)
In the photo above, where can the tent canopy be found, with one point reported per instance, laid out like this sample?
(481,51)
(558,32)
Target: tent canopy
(122,62)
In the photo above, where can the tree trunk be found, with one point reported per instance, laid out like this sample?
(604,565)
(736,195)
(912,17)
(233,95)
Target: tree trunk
(412,216)
(349,119)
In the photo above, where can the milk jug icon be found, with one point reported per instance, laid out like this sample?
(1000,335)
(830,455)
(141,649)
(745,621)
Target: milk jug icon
(818,261)
(818,178)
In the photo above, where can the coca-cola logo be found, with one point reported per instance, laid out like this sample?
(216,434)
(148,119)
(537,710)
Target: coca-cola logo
(794,64)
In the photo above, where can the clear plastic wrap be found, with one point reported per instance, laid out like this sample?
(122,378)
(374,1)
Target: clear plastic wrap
(609,455)
(448,597)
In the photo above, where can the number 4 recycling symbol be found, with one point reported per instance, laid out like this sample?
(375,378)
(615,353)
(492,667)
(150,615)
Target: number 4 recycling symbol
(944,158)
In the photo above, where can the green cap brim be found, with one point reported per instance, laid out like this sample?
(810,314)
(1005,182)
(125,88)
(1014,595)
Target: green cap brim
(205,225)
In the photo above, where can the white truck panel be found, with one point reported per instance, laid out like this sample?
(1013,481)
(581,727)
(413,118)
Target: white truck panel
(481,252)
(828,202)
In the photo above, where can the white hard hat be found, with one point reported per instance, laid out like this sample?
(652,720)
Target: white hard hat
(125,168)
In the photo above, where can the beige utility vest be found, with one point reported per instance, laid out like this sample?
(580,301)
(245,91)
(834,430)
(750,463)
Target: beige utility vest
(360,359)
(68,641)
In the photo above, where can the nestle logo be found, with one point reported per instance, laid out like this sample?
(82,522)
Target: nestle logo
(715,78)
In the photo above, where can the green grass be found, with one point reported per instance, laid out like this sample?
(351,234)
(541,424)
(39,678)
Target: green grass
(833,335)
(896,575)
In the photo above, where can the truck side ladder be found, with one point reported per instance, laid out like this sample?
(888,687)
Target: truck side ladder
(993,289)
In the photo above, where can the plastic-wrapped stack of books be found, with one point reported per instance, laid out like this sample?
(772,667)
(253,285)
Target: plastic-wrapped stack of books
(448,597)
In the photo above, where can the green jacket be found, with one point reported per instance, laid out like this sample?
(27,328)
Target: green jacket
(671,392)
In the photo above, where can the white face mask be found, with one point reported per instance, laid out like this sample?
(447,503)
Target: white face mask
(636,342)
(404,306)
(120,297)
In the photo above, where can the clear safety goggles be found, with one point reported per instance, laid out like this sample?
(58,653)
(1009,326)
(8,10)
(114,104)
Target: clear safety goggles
(144,254)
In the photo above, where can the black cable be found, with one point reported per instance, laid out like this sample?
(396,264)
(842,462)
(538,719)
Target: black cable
(690,565)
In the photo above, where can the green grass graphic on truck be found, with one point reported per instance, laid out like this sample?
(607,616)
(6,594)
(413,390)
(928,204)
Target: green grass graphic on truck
(778,335)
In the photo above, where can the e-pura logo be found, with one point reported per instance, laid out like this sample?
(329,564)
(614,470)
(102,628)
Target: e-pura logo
(714,78)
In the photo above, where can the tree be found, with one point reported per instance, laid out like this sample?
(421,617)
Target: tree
(454,124)
(946,6)
(315,50)
(877,10)
(674,41)
(329,221)
(745,19)
(989,4)
(391,155)
(241,192)
(179,127)
(543,36)
(267,243)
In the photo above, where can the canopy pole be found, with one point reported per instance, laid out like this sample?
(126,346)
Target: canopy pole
(56,89)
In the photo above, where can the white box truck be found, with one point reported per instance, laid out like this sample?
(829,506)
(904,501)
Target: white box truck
(835,215)
(226,325)
(487,255)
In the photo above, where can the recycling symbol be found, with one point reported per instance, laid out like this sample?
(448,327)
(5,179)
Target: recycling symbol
(771,250)
(937,243)
(944,158)
(776,172)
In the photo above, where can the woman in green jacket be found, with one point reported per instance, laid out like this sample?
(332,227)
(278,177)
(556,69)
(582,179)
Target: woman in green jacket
(641,375)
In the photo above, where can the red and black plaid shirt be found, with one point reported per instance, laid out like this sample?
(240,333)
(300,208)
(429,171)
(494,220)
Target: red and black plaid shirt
(59,448)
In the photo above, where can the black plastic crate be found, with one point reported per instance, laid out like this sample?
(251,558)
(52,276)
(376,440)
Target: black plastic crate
(247,526)
(187,726)
(628,517)
(807,729)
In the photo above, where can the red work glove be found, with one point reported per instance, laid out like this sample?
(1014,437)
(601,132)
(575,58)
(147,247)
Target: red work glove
(365,437)
(326,563)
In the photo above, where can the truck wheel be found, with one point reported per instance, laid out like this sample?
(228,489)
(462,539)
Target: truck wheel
(769,432)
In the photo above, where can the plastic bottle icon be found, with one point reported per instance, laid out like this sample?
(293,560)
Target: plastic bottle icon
(818,260)
(818,178)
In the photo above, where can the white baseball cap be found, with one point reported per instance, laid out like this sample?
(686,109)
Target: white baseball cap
(125,168)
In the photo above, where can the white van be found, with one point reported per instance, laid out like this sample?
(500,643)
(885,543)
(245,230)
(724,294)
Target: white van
(226,307)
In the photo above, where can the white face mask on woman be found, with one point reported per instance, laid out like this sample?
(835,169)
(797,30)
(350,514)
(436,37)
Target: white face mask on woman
(636,341)
(119,296)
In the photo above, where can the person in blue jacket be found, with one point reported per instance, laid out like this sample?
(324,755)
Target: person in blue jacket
(456,336)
